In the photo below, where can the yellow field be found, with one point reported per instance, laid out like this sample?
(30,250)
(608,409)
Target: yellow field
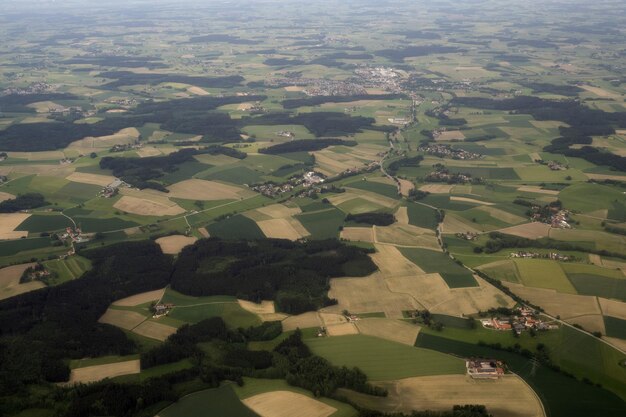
(454,224)
(10,281)
(123,137)
(534,230)
(94,179)
(591,323)
(302,321)
(554,303)
(341,329)
(358,234)
(204,232)
(195,189)
(538,190)
(279,211)
(600,92)
(508,396)
(172,245)
(406,235)
(148,151)
(138,299)
(154,330)
(197,91)
(391,262)
(470,200)
(100,372)
(402,215)
(8,223)
(6,196)
(265,310)
(390,329)
(123,319)
(369,295)
(59,171)
(287,404)
(282,229)
(450,135)
(145,207)
(437,188)
(606,177)
(613,308)
(505,216)
(406,186)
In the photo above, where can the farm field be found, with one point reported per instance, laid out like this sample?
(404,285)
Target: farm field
(380,177)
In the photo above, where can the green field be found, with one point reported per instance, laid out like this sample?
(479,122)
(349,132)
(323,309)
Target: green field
(543,274)
(387,190)
(561,395)
(454,274)
(69,268)
(422,216)
(236,227)
(322,224)
(215,402)
(615,327)
(384,360)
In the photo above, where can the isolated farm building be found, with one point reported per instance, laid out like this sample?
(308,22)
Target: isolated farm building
(484,368)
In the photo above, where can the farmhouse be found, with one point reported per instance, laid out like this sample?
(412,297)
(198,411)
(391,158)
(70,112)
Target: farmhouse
(484,368)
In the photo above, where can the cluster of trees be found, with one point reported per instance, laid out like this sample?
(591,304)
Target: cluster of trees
(319,123)
(142,172)
(293,274)
(317,100)
(399,55)
(39,330)
(583,122)
(23,202)
(404,162)
(305,145)
(562,90)
(498,241)
(117,61)
(375,218)
(17,103)
(124,78)
(444,119)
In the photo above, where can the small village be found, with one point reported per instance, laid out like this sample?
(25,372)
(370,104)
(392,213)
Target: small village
(535,255)
(442,174)
(522,319)
(112,189)
(447,151)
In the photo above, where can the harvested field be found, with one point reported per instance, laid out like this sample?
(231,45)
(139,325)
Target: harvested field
(402,215)
(123,319)
(534,230)
(406,235)
(606,177)
(617,343)
(374,198)
(172,245)
(204,232)
(454,224)
(245,106)
(94,179)
(148,151)
(8,223)
(265,310)
(470,200)
(592,323)
(282,229)
(613,308)
(5,196)
(295,88)
(595,259)
(600,92)
(437,188)
(154,330)
(391,262)
(555,303)
(198,91)
(505,216)
(123,137)
(369,295)
(538,190)
(329,319)
(287,404)
(138,299)
(341,329)
(431,291)
(279,211)
(440,393)
(100,372)
(195,189)
(390,329)
(406,186)
(59,171)
(450,135)
(145,207)
(10,281)
(302,321)
(358,234)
